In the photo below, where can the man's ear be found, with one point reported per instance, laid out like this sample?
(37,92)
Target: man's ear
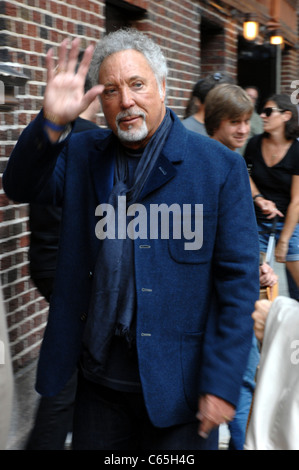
(163,90)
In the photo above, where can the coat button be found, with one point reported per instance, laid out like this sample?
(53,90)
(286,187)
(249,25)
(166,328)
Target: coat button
(83,317)
(90,274)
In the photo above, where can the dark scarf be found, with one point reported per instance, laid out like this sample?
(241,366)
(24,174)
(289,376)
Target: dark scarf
(113,299)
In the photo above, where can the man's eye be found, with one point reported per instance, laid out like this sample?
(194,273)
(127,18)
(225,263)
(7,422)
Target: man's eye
(137,85)
(109,91)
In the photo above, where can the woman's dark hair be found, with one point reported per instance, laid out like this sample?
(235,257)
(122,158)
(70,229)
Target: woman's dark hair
(283,101)
(202,88)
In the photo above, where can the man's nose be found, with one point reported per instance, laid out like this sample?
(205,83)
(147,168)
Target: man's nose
(243,127)
(126,98)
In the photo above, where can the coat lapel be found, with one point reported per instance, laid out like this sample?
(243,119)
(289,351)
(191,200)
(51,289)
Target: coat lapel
(167,164)
(102,159)
(162,172)
(101,163)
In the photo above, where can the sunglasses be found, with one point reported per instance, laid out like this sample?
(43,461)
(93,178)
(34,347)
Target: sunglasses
(268,111)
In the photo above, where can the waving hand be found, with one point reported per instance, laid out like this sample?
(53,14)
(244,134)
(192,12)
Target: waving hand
(65,98)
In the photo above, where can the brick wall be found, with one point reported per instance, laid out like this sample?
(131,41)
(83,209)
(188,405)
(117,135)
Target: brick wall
(289,69)
(175,26)
(28,29)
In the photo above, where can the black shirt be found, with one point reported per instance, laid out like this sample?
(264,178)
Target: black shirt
(274,182)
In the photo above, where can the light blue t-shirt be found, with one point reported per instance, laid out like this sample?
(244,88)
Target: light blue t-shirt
(193,125)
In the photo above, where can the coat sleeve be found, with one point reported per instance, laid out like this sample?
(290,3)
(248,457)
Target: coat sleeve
(229,328)
(34,172)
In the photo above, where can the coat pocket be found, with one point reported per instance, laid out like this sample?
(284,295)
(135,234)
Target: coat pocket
(193,237)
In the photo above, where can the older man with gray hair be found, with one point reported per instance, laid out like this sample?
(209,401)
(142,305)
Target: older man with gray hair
(159,328)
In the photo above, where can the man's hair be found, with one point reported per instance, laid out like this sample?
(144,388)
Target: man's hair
(124,39)
(223,102)
(202,88)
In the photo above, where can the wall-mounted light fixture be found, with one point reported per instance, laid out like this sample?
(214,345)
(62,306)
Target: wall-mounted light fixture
(250,27)
(276,38)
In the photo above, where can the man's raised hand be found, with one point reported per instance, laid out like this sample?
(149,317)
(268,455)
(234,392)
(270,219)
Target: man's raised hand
(65,98)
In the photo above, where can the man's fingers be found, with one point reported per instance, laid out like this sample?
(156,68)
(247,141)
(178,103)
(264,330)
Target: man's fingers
(67,85)
(61,64)
(91,95)
(85,62)
(73,55)
(205,426)
(62,56)
(212,411)
(50,64)
(68,59)
(203,434)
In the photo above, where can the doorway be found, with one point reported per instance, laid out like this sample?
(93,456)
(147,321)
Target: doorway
(257,67)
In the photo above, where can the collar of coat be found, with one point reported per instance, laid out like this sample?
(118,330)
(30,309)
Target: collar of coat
(102,170)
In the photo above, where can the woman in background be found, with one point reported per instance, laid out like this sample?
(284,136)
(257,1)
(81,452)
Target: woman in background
(273,162)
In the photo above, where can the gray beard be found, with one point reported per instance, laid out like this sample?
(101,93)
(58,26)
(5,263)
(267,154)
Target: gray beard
(133,135)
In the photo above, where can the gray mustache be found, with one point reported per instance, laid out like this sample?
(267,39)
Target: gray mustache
(128,113)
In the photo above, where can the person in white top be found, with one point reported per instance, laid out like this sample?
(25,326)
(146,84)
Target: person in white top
(6,379)
(274,420)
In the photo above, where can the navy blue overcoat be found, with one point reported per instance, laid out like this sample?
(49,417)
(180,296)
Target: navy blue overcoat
(194,326)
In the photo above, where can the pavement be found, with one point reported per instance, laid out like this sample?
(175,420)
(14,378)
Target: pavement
(24,406)
(26,398)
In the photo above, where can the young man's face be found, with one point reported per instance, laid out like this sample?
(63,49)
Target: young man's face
(253,94)
(234,133)
(132,102)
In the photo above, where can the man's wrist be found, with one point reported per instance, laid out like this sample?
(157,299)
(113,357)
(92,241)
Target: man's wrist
(53,126)
(55,129)
(54,122)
